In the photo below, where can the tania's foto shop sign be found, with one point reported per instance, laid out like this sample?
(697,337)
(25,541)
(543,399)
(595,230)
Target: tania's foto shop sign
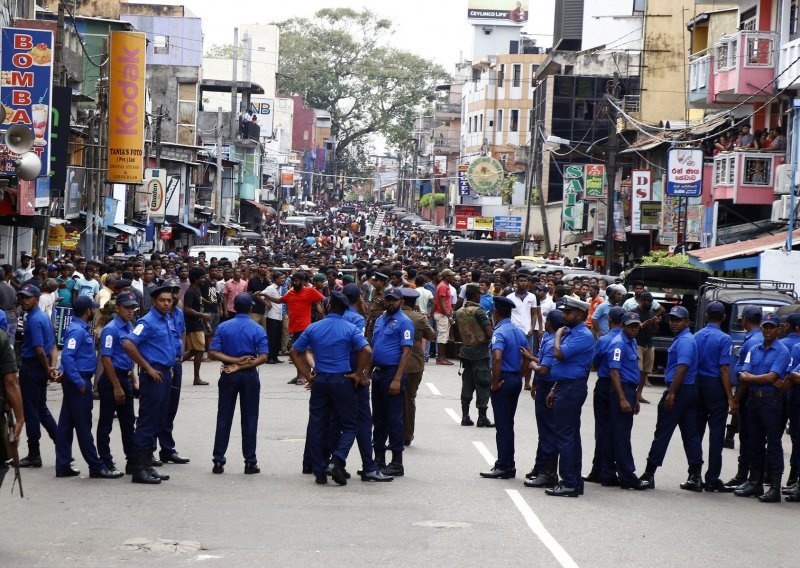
(26,85)
(126,107)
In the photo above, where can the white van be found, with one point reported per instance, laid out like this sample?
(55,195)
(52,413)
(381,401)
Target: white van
(218,251)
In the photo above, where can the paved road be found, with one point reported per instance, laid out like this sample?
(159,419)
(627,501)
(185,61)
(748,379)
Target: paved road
(440,514)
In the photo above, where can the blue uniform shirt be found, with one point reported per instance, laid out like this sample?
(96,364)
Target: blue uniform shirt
(601,349)
(79,355)
(487,302)
(751,339)
(240,336)
(761,360)
(390,335)
(332,339)
(683,351)
(178,329)
(794,358)
(508,338)
(357,320)
(38,333)
(546,354)
(577,346)
(790,340)
(601,315)
(713,350)
(154,336)
(111,338)
(623,355)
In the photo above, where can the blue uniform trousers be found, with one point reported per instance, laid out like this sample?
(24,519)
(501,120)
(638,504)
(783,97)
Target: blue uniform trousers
(603,461)
(247,386)
(546,449)
(504,407)
(744,431)
(165,438)
(387,410)
(569,399)
(364,434)
(765,429)
(76,414)
(684,416)
(620,425)
(153,405)
(33,384)
(331,394)
(124,412)
(794,425)
(712,409)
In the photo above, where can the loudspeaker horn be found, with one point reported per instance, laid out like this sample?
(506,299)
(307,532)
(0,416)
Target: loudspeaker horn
(28,166)
(19,138)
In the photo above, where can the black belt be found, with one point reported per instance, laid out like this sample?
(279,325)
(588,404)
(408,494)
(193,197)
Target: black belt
(763,393)
(122,372)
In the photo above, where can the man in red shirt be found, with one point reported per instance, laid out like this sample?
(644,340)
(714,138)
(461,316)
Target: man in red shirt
(443,315)
(299,301)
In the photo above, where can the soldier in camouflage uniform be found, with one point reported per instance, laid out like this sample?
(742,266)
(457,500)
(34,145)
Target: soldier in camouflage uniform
(11,395)
(476,333)
(376,304)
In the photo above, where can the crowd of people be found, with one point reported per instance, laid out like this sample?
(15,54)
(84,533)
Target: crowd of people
(768,140)
(359,317)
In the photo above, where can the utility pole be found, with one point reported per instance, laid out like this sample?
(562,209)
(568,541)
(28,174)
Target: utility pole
(218,179)
(157,137)
(90,189)
(414,174)
(234,92)
(611,178)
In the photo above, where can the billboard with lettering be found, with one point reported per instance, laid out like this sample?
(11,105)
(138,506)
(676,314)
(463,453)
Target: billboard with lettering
(126,107)
(500,11)
(26,86)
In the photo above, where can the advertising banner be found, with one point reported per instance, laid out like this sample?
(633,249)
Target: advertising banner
(126,107)
(641,191)
(504,11)
(685,172)
(480,224)
(572,203)
(505,224)
(42,189)
(649,215)
(595,181)
(173,195)
(463,184)
(263,109)
(73,196)
(27,86)
(468,211)
(287,176)
(62,317)
(155,181)
(59,138)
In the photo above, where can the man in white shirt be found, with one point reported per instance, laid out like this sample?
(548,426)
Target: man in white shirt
(274,318)
(526,311)
(632,303)
(48,297)
(137,281)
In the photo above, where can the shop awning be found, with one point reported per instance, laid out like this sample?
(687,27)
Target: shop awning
(111,233)
(189,228)
(707,256)
(257,205)
(126,228)
(56,221)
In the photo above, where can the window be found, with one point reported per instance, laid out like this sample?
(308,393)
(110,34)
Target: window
(481,123)
(757,171)
(160,44)
(747,20)
(759,50)
(724,169)
(639,6)
(517,78)
(514,121)
(793,14)
(534,69)
(501,75)
(187,114)
(499,127)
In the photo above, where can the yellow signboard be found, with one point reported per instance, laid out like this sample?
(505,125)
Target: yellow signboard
(56,237)
(126,107)
(480,224)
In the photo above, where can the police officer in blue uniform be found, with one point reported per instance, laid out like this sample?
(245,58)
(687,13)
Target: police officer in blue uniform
(751,322)
(392,340)
(116,384)
(678,405)
(78,361)
(603,469)
(152,346)
(241,345)
(544,469)
(168,452)
(38,366)
(764,370)
(792,389)
(572,351)
(509,363)
(626,387)
(370,468)
(333,392)
(715,394)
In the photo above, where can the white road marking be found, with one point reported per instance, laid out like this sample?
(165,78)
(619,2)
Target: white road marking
(452,414)
(435,391)
(540,531)
(484,451)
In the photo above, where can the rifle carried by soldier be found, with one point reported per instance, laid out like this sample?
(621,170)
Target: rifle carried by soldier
(9,450)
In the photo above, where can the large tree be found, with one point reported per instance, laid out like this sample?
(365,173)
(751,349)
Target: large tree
(340,61)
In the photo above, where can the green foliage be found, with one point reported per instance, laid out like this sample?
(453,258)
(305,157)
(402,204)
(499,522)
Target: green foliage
(428,198)
(223,52)
(664,258)
(340,62)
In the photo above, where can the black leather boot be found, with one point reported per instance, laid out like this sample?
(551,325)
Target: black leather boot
(730,437)
(465,419)
(380,458)
(791,483)
(141,472)
(753,487)
(694,481)
(483,420)
(34,458)
(740,478)
(774,493)
(395,468)
(547,478)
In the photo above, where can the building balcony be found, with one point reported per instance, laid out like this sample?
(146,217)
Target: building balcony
(448,110)
(443,145)
(699,79)
(789,65)
(748,178)
(743,67)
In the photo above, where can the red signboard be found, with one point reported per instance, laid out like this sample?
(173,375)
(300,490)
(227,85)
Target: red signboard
(468,211)
(461,223)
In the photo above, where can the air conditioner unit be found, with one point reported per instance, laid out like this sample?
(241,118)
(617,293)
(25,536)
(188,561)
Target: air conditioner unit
(783,174)
(781,209)
(504,159)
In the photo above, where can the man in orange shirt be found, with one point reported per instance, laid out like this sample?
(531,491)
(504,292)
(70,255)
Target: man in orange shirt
(594,301)
(299,301)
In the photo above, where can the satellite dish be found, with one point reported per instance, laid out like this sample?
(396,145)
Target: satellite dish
(19,138)
(28,166)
